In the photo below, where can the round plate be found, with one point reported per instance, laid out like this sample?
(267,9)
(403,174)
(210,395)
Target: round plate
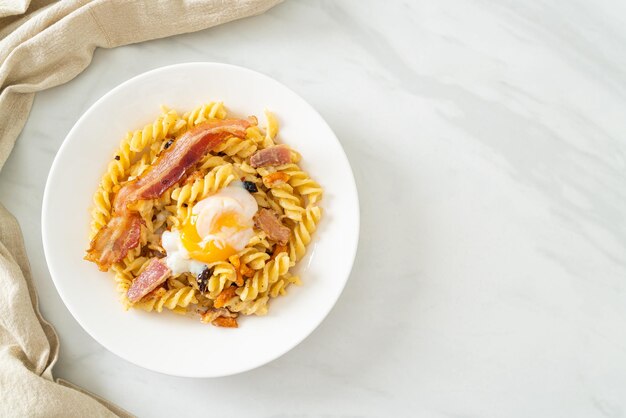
(166,342)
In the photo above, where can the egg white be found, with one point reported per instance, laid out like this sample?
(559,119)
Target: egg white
(178,259)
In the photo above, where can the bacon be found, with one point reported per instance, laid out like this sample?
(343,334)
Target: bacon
(275,179)
(155,273)
(269,223)
(276,155)
(114,240)
(184,153)
(236,262)
(245,272)
(220,317)
(225,295)
(277,250)
(225,322)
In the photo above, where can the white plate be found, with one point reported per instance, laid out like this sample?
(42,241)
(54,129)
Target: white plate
(166,342)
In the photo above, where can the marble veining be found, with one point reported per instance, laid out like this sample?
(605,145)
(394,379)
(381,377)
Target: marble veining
(488,143)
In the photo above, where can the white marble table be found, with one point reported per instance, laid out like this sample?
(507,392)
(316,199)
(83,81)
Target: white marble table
(488,140)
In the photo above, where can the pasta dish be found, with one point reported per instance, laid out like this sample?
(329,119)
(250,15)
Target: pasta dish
(202,213)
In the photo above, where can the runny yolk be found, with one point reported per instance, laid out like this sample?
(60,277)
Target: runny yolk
(225,220)
(212,251)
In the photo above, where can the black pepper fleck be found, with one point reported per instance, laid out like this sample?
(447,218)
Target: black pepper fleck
(203,279)
(168,144)
(185,205)
(117,157)
(250,186)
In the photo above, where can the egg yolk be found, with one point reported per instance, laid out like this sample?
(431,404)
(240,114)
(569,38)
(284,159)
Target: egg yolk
(212,251)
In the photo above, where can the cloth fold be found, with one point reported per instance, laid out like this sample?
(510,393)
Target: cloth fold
(43,44)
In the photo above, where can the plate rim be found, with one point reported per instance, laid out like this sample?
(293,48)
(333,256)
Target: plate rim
(47,197)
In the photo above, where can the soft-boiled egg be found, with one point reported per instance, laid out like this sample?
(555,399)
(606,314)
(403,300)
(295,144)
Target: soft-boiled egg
(219,227)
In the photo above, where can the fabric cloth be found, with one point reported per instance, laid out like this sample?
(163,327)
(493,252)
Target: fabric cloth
(44,44)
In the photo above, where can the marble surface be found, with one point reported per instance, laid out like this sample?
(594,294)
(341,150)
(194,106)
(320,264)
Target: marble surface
(488,143)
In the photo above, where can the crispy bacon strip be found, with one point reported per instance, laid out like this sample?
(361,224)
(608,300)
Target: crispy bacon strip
(114,240)
(236,262)
(276,155)
(121,234)
(155,273)
(245,272)
(180,157)
(220,317)
(275,179)
(277,250)
(225,322)
(224,296)
(267,220)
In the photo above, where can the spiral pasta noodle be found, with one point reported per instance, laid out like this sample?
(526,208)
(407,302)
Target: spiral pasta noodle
(155,132)
(254,258)
(177,299)
(302,183)
(240,147)
(302,233)
(123,280)
(251,307)
(101,212)
(219,177)
(213,110)
(280,287)
(223,276)
(291,204)
(271,129)
(270,274)
(264,200)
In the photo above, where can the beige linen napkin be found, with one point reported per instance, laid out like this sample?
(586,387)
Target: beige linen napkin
(44,44)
